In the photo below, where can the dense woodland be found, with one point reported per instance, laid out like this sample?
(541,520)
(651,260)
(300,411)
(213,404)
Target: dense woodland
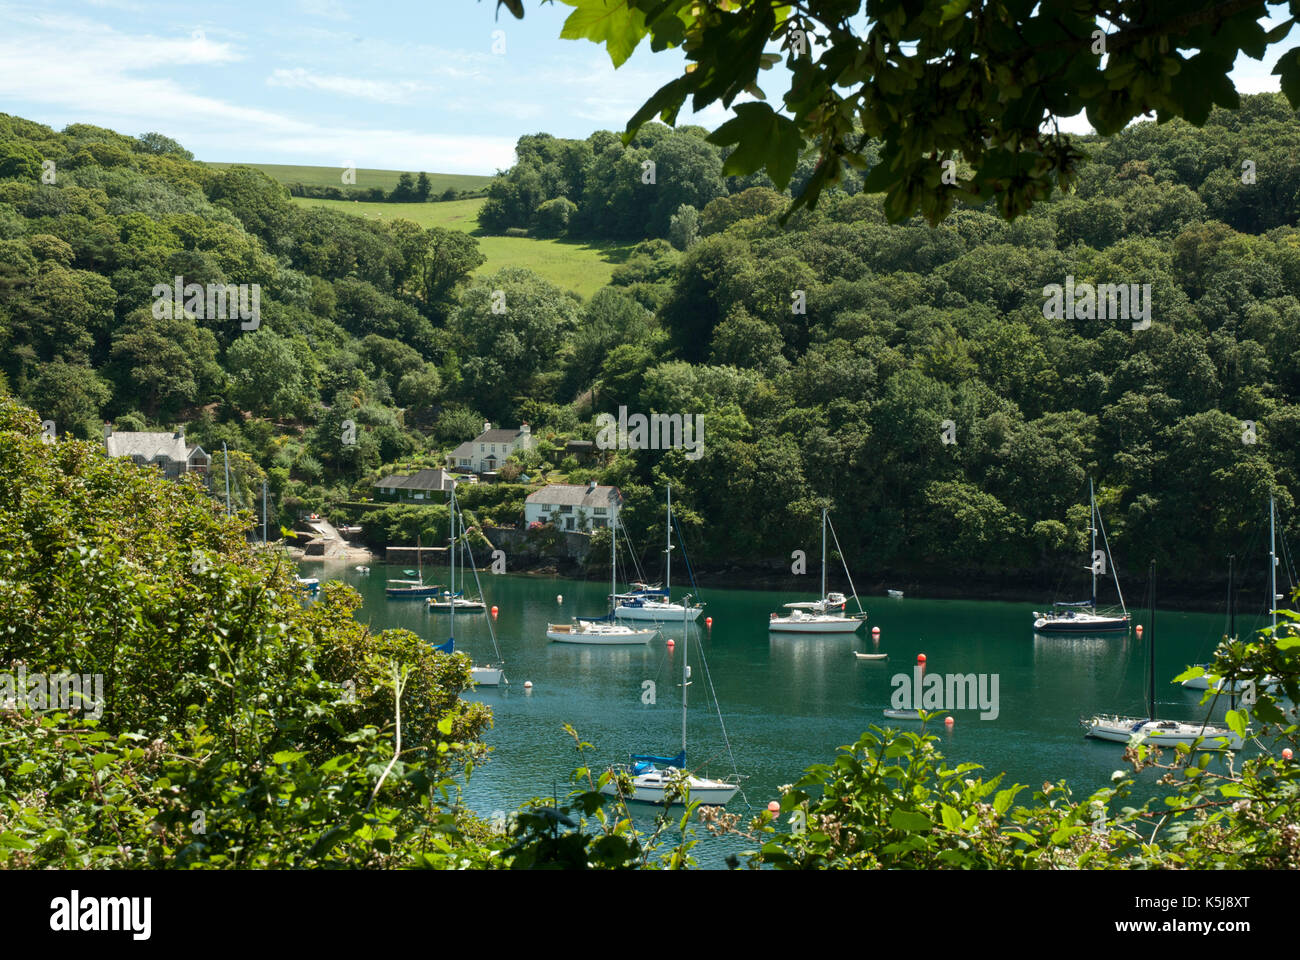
(905,326)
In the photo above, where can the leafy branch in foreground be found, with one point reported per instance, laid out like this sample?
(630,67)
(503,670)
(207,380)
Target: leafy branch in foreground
(944,80)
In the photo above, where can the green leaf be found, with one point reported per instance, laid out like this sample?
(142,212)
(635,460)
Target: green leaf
(1236,720)
(951,818)
(910,821)
(615,23)
(763,138)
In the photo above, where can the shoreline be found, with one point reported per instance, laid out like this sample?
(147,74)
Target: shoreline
(1202,597)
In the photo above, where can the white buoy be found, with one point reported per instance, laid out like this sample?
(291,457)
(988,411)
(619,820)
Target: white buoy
(559,598)
(528,684)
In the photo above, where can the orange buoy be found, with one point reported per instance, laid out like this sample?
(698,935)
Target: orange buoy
(708,622)
(774,807)
(1286,753)
(671,644)
(947,721)
(920,658)
(1139,630)
(494,611)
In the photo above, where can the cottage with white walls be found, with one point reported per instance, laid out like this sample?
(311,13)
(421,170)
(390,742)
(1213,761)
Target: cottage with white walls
(167,451)
(491,448)
(573,507)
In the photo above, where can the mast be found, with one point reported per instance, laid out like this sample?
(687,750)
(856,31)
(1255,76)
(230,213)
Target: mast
(1151,652)
(451,631)
(1272,564)
(668,552)
(1092,526)
(263,513)
(823,555)
(686,642)
(1232,629)
(613,537)
(1232,601)
(225,457)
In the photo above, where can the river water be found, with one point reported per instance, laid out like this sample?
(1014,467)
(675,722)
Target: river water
(789,701)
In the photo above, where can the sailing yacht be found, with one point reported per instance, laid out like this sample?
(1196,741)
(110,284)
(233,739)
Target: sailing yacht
(482,676)
(825,615)
(654,777)
(412,589)
(655,603)
(1073,617)
(1160,733)
(450,599)
(602,631)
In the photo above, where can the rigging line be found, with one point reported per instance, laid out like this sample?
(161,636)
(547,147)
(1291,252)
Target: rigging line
(631,550)
(479,586)
(845,564)
(1114,568)
(708,676)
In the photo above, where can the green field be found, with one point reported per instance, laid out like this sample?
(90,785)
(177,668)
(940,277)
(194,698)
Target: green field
(366,178)
(581,267)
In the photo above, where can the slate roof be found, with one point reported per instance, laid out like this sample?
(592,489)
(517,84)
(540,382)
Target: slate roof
(148,445)
(572,494)
(421,480)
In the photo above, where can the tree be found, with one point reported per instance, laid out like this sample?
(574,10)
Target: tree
(684,227)
(158,144)
(936,82)
(404,192)
(423,188)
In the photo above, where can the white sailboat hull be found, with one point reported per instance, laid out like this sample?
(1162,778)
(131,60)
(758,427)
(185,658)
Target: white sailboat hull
(1162,733)
(459,604)
(815,624)
(487,676)
(1203,683)
(600,634)
(651,788)
(903,714)
(651,610)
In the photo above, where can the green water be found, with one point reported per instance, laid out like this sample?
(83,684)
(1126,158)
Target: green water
(789,701)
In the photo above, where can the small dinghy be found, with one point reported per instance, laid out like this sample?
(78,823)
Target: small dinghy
(871,656)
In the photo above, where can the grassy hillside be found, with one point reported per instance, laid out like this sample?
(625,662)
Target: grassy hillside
(581,267)
(332,177)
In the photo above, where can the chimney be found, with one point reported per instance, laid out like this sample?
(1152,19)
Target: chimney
(487,425)
(179,434)
(525,428)
(108,429)
(591,485)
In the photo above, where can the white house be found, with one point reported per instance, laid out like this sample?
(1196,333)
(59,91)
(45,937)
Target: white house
(167,451)
(486,452)
(573,506)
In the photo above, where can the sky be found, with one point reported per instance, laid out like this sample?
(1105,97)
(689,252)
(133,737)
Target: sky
(399,85)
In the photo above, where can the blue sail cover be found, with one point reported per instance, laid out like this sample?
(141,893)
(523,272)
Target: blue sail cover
(678,761)
(1074,603)
(607,618)
(448,647)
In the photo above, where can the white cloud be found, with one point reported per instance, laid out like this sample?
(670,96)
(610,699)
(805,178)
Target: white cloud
(380,90)
(328,9)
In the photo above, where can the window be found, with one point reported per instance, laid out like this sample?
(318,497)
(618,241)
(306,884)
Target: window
(568,523)
(601,511)
(567,508)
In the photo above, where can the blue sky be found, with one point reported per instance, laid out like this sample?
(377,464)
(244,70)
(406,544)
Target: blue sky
(395,85)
